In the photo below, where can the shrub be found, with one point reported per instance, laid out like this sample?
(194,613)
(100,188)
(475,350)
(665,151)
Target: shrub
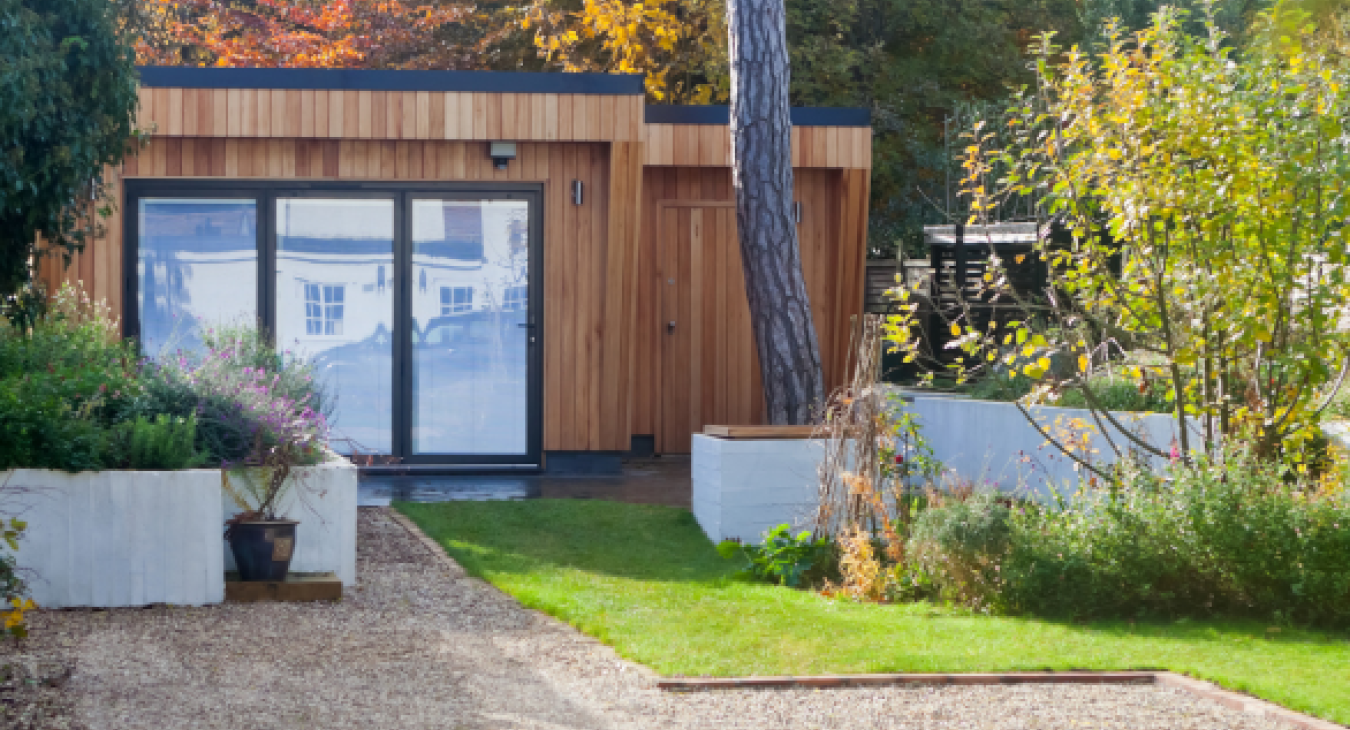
(1239,537)
(166,443)
(62,384)
(248,399)
(74,396)
(957,543)
(783,558)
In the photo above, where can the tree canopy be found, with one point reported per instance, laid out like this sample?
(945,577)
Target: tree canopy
(67,94)
(915,63)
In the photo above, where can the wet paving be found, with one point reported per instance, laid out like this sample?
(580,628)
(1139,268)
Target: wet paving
(659,480)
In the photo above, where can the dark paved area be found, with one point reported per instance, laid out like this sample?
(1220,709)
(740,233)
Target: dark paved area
(661,480)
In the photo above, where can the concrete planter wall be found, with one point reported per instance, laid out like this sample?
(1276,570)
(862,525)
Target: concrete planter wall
(744,487)
(991,442)
(325,504)
(126,538)
(119,538)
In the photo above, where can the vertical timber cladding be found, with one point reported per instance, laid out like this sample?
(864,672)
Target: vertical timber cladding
(601,375)
(687,209)
(589,250)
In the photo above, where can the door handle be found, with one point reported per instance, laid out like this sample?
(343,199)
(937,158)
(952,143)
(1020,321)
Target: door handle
(670,326)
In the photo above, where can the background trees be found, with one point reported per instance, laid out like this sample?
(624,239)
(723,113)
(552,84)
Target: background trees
(67,91)
(1204,194)
(913,62)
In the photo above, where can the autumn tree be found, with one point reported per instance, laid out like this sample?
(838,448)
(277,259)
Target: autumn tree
(1203,192)
(679,46)
(300,33)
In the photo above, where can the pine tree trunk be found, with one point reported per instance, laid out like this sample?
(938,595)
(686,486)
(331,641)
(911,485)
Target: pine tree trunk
(761,148)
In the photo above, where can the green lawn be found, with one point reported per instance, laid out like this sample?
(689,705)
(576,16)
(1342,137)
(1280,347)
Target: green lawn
(646,581)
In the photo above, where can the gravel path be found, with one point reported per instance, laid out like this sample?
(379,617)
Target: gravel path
(420,645)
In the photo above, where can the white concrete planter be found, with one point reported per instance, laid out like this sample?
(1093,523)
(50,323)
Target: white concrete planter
(118,538)
(744,487)
(324,502)
(134,538)
(991,443)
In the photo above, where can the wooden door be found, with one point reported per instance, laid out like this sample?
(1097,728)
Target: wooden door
(709,372)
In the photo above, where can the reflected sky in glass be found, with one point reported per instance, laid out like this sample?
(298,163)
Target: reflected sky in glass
(197,267)
(470,297)
(335,303)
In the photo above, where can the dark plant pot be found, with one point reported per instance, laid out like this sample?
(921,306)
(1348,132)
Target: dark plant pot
(263,550)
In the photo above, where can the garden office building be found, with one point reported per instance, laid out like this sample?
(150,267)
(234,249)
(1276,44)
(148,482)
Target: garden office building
(511,269)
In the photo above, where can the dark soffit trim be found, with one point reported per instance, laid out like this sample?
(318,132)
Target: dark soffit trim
(801,116)
(502,82)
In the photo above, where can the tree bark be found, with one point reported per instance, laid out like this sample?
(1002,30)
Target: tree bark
(761,148)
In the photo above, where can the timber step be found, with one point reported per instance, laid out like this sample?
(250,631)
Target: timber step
(297,588)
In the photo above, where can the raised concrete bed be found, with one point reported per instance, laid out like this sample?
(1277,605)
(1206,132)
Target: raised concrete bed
(119,538)
(743,487)
(129,538)
(325,505)
(991,443)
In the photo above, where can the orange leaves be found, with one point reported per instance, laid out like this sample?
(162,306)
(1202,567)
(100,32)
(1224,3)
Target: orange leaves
(675,44)
(300,33)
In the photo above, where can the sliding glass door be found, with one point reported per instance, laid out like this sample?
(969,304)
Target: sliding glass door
(470,352)
(335,304)
(418,304)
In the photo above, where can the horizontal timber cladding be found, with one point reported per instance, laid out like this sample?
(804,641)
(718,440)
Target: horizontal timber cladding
(832,236)
(708,145)
(590,285)
(389,115)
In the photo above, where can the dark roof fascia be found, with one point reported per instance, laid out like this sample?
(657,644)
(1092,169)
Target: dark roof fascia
(801,116)
(501,82)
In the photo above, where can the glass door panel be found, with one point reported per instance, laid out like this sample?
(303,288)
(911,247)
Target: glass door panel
(335,303)
(470,329)
(196,267)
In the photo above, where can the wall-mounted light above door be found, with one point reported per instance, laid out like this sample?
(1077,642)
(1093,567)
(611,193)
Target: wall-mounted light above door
(501,153)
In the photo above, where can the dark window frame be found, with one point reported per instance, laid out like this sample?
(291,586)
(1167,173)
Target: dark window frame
(265,193)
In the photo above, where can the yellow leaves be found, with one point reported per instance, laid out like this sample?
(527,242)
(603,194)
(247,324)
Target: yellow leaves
(1083,363)
(13,619)
(956,330)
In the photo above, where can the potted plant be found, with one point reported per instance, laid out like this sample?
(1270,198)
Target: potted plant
(261,538)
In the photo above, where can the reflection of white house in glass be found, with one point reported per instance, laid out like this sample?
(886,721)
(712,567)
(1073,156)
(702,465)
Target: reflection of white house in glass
(197,264)
(335,303)
(471,265)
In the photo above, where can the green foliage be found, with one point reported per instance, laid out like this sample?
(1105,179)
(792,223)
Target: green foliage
(956,544)
(62,384)
(75,396)
(166,443)
(914,64)
(1240,538)
(67,94)
(1202,196)
(782,558)
(1110,393)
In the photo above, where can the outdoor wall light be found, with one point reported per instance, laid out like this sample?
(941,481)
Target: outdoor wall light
(576,192)
(797,213)
(501,153)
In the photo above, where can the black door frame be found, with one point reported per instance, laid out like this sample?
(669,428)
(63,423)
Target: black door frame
(265,194)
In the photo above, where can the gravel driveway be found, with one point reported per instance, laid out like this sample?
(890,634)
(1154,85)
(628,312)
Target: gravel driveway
(420,645)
